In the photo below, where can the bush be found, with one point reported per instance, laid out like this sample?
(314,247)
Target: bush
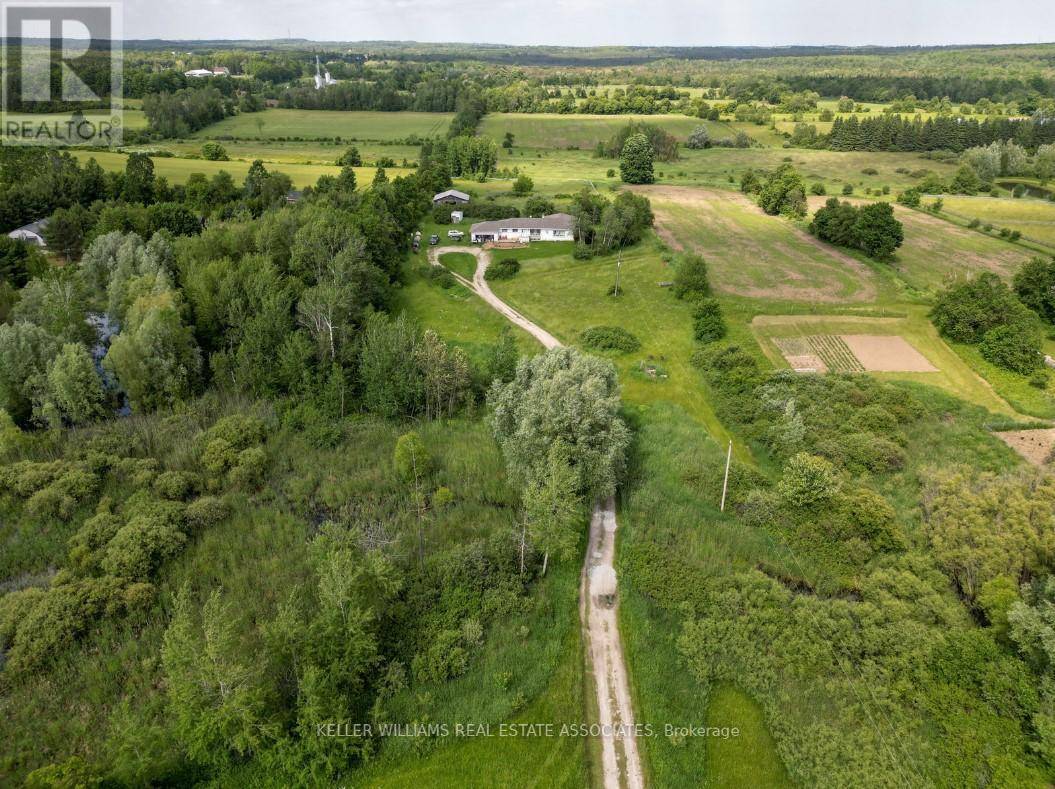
(218,456)
(214,152)
(848,189)
(818,188)
(444,658)
(141,545)
(412,457)
(1012,346)
(175,485)
(51,503)
(240,431)
(708,323)
(503,269)
(206,511)
(250,468)
(808,480)
(690,277)
(609,338)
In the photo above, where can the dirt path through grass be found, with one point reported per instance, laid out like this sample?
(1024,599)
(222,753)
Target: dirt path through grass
(621,761)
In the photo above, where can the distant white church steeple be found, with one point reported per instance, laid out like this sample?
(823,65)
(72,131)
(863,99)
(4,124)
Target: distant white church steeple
(322,79)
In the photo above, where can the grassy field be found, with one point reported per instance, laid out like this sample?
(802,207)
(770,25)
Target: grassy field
(557,170)
(317,152)
(566,296)
(1034,218)
(584,131)
(936,251)
(755,255)
(177,171)
(316,124)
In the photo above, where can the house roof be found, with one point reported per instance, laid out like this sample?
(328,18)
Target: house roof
(32,227)
(551,222)
(451,193)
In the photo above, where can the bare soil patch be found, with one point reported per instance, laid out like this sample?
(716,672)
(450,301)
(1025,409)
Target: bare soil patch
(887,354)
(1034,445)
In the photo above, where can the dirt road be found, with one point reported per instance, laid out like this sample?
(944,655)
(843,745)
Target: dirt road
(598,613)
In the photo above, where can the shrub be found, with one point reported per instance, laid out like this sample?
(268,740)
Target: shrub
(442,498)
(503,269)
(51,503)
(870,171)
(609,338)
(141,545)
(872,519)
(523,185)
(412,457)
(707,321)
(848,189)
(690,277)
(175,485)
(240,431)
(206,511)
(218,456)
(214,152)
(250,468)
(1012,346)
(807,480)
(444,658)
(818,188)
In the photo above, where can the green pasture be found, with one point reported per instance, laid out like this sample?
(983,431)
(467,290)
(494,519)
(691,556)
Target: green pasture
(754,255)
(583,131)
(316,124)
(177,171)
(1034,218)
(273,152)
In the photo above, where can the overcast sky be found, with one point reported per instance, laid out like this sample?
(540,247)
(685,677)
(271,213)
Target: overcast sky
(593,22)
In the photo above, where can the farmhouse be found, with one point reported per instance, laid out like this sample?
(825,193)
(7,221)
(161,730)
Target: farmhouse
(31,234)
(198,73)
(555,227)
(451,197)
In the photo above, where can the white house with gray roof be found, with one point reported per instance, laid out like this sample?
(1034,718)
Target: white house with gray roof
(555,227)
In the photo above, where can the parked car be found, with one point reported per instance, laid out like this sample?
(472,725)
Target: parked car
(434,239)
(457,235)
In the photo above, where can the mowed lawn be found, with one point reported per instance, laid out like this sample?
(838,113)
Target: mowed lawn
(1034,218)
(754,255)
(316,124)
(177,171)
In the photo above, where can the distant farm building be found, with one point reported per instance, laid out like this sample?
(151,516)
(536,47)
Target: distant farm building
(451,197)
(31,234)
(457,216)
(198,73)
(555,227)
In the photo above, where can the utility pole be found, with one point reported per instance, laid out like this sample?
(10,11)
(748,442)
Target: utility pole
(728,463)
(618,268)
